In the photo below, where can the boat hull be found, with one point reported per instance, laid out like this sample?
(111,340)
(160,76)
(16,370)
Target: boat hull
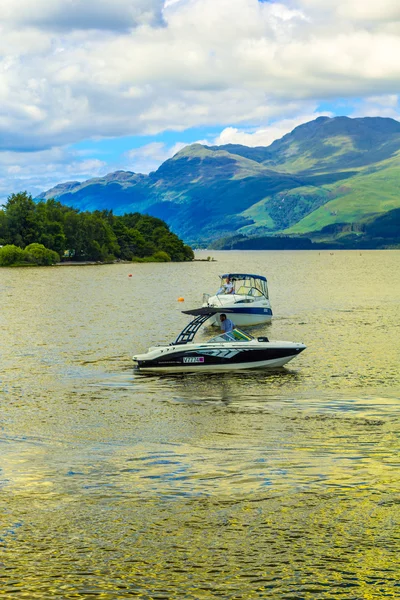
(260,355)
(268,364)
(243,310)
(241,318)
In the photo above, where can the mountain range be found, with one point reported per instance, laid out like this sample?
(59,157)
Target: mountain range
(332,180)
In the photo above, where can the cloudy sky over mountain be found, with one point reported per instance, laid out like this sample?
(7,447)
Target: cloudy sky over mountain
(91,86)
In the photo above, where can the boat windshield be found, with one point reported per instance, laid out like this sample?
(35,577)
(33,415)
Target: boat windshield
(236,335)
(244,285)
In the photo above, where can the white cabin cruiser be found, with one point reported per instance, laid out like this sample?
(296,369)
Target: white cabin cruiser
(244,296)
(231,351)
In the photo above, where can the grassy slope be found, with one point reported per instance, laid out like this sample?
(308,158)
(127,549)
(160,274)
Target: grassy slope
(258,213)
(371,190)
(196,164)
(356,199)
(327,156)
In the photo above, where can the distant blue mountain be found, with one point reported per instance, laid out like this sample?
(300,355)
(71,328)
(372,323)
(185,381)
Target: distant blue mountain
(328,172)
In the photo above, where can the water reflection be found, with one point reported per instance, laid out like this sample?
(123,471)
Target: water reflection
(225,387)
(265,484)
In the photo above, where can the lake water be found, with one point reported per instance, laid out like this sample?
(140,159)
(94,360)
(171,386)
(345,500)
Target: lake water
(249,485)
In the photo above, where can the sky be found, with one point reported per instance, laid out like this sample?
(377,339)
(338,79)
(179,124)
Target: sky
(88,87)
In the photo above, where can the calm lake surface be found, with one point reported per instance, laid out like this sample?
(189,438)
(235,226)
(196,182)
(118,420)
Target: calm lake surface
(259,484)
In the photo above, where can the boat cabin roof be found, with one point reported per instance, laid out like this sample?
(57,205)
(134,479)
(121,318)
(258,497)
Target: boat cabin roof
(235,276)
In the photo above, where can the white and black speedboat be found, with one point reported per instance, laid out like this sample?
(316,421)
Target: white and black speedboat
(231,351)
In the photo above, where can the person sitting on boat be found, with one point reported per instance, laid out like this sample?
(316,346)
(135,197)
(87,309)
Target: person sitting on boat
(226,324)
(227,287)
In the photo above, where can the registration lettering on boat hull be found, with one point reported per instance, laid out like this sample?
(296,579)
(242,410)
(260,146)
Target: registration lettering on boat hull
(193,359)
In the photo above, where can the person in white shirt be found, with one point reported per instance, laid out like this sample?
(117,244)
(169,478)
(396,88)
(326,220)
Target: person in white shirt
(227,287)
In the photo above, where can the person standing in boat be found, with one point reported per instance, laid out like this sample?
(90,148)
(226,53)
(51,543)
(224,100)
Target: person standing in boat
(227,287)
(226,324)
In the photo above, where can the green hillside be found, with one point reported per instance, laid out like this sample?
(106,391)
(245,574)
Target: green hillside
(365,195)
(321,179)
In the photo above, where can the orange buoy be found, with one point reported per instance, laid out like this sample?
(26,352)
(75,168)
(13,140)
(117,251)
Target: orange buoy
(130,275)
(180,299)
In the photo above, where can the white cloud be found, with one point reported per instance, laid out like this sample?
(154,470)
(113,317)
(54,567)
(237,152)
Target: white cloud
(169,3)
(149,157)
(38,171)
(86,167)
(77,69)
(13,169)
(355,10)
(379,106)
(213,62)
(81,14)
(266,135)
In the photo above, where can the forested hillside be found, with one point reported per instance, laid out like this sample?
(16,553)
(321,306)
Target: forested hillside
(80,236)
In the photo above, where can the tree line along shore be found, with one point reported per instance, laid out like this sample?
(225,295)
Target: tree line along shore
(48,232)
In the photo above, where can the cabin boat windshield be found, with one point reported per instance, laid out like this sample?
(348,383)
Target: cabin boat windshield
(246,285)
(236,335)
